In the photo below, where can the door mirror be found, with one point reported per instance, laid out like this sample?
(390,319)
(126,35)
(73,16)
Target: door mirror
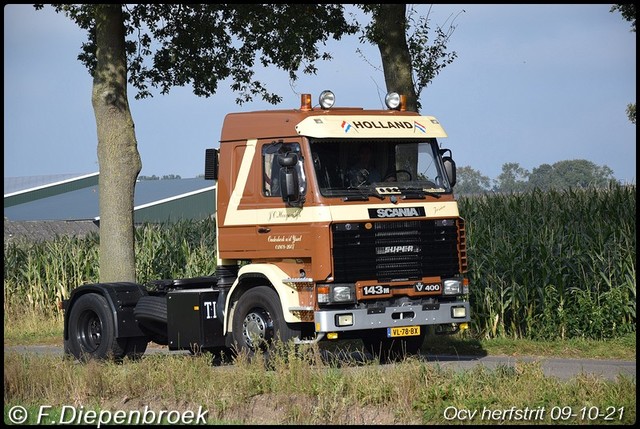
(450,169)
(289,180)
(211,164)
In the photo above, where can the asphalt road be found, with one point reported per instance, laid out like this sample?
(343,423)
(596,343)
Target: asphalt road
(555,367)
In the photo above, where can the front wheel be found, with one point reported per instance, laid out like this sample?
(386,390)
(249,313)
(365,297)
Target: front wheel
(258,321)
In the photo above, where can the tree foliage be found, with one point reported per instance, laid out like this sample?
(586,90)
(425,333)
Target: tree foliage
(470,181)
(428,60)
(578,173)
(513,178)
(631,112)
(628,12)
(204,44)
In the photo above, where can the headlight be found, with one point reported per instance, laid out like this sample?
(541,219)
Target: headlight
(452,287)
(336,294)
(342,294)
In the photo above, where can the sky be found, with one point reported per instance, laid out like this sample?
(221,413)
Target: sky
(531,84)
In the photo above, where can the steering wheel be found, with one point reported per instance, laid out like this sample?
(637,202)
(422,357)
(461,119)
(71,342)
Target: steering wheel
(394,173)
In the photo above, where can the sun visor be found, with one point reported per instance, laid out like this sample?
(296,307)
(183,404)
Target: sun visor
(369,126)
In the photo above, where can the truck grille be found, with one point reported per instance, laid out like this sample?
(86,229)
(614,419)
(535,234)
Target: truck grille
(398,250)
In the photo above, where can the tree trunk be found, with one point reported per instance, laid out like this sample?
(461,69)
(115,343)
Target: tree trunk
(390,25)
(118,156)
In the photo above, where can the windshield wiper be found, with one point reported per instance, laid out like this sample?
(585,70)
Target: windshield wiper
(417,193)
(363,196)
(355,198)
(415,196)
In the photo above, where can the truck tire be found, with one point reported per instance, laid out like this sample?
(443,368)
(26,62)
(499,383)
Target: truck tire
(388,350)
(151,315)
(258,321)
(92,331)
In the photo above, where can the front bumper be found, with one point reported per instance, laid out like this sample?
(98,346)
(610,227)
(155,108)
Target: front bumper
(387,317)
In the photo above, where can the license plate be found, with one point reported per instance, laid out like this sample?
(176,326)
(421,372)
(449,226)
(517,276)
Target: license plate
(403,331)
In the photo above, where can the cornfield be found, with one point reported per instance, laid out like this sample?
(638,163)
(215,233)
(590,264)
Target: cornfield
(553,265)
(542,265)
(38,275)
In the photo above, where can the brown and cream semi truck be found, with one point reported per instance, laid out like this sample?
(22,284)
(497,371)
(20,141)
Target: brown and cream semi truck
(312,244)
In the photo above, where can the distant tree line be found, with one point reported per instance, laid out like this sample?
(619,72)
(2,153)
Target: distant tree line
(577,173)
(165,177)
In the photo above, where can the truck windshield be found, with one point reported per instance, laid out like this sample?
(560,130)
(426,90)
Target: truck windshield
(347,168)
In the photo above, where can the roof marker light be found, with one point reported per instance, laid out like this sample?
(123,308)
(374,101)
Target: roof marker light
(305,102)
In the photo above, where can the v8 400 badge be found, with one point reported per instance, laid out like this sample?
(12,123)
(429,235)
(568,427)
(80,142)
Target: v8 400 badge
(426,287)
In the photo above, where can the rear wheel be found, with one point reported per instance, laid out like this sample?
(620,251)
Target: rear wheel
(258,321)
(392,349)
(91,328)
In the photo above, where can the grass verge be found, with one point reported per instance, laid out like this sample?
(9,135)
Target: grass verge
(298,388)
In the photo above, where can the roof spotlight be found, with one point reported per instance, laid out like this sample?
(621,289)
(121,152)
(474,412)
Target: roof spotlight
(327,99)
(392,100)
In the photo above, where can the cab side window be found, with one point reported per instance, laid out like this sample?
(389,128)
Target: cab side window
(271,167)
(270,174)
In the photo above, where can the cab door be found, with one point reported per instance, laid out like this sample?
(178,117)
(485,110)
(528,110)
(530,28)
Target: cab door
(281,230)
